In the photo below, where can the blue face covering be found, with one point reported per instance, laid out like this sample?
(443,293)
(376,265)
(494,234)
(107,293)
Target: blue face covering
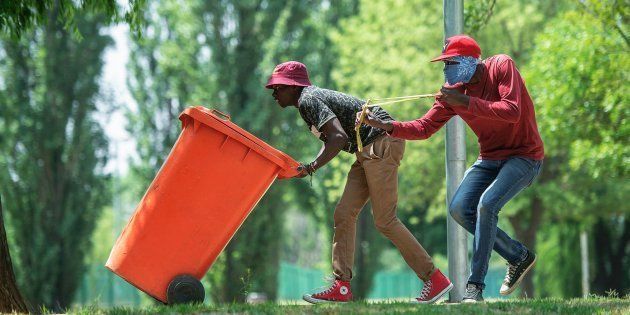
(461,72)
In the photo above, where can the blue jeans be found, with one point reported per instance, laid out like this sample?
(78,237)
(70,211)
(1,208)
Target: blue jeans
(487,186)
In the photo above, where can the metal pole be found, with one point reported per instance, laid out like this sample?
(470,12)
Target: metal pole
(455,168)
(584,249)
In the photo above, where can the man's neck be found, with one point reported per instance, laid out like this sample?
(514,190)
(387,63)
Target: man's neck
(297,99)
(476,78)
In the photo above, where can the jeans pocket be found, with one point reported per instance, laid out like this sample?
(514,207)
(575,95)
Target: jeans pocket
(536,171)
(476,164)
(531,163)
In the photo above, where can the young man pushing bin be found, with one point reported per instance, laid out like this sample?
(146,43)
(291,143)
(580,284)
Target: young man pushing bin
(330,116)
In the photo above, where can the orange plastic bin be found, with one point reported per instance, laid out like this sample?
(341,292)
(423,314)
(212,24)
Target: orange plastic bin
(214,176)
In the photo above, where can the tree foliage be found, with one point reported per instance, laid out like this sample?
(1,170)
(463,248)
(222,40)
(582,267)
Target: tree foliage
(582,98)
(613,14)
(477,14)
(17,17)
(52,170)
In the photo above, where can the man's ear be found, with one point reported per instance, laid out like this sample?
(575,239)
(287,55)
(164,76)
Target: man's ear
(295,90)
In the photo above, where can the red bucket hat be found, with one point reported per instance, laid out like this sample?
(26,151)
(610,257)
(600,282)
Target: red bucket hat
(459,45)
(289,73)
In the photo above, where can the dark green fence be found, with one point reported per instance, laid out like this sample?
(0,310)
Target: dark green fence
(294,281)
(103,287)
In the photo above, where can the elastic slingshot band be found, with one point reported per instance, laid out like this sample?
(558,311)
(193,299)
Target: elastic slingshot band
(380,102)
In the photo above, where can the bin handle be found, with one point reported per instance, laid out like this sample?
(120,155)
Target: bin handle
(220,113)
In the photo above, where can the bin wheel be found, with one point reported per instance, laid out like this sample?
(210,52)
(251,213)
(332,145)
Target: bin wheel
(185,289)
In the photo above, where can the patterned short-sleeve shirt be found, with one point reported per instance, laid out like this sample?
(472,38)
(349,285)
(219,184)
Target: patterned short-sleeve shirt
(317,106)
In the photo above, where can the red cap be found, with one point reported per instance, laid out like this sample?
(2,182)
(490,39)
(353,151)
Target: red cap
(289,73)
(459,45)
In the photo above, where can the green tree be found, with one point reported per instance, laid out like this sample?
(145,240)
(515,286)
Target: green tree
(582,102)
(516,24)
(611,13)
(52,173)
(168,72)
(477,14)
(17,17)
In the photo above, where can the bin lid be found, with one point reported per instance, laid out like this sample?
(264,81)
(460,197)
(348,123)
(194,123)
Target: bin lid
(207,117)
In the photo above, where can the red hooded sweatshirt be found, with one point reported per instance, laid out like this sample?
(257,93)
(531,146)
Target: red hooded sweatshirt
(500,113)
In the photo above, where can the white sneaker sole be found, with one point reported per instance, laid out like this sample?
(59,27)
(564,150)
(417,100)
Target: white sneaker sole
(518,281)
(309,298)
(436,297)
(471,301)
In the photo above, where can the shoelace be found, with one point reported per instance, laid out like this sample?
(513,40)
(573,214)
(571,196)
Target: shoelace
(471,289)
(510,273)
(326,290)
(425,290)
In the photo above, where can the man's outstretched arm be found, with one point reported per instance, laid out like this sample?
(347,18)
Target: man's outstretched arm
(419,129)
(336,139)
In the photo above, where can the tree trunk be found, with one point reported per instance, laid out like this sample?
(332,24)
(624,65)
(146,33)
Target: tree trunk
(526,227)
(368,247)
(362,253)
(233,284)
(609,251)
(10,298)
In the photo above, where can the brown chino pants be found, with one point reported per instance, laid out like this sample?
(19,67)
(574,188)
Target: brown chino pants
(374,176)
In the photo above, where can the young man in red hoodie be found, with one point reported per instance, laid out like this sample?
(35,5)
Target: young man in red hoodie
(491,97)
(330,116)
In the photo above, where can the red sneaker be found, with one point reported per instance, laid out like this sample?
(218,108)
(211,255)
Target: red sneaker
(434,288)
(339,292)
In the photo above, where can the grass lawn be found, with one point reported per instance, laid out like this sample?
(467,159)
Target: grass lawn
(513,307)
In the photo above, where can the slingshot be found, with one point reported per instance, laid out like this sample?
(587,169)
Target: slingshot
(380,102)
